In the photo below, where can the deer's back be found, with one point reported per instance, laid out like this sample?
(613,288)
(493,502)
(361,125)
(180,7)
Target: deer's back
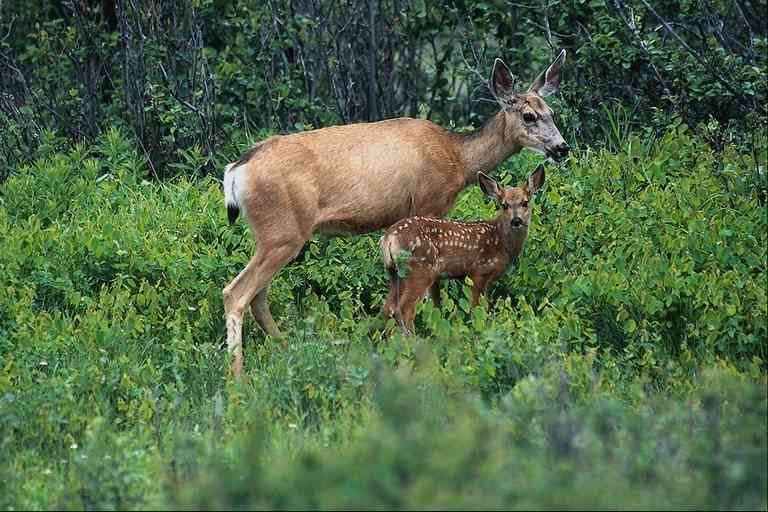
(357,178)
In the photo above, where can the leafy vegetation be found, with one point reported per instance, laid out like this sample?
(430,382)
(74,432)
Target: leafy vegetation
(191,81)
(622,363)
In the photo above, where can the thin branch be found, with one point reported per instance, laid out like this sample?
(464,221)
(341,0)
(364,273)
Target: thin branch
(751,49)
(176,96)
(470,67)
(629,21)
(547,31)
(699,58)
(10,29)
(559,35)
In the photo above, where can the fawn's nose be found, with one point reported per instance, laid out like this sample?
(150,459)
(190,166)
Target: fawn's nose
(516,222)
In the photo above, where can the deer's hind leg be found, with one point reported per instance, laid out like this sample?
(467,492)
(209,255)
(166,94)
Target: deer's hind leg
(262,314)
(249,286)
(419,280)
(390,308)
(279,237)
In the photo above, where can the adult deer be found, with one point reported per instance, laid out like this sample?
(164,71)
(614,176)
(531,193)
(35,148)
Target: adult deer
(438,248)
(361,177)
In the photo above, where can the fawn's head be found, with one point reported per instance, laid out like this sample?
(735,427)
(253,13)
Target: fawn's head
(528,117)
(515,202)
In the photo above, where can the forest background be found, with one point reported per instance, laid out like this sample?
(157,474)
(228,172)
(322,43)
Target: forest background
(623,363)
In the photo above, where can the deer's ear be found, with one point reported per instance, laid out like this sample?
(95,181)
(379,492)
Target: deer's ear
(548,82)
(489,186)
(502,83)
(535,180)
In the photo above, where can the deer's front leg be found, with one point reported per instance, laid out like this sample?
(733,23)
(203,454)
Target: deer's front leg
(434,291)
(479,285)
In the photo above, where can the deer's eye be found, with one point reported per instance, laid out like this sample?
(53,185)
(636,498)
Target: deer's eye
(505,206)
(525,204)
(529,118)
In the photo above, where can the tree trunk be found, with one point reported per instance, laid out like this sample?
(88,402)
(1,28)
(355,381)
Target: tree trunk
(373,111)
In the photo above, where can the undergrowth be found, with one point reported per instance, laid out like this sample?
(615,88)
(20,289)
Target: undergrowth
(621,364)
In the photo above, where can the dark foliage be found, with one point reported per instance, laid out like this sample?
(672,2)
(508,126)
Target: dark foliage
(194,81)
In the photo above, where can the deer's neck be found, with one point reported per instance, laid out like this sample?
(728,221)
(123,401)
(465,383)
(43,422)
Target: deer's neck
(512,240)
(485,148)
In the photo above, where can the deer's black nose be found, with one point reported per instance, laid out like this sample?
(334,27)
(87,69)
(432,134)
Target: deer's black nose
(559,152)
(516,222)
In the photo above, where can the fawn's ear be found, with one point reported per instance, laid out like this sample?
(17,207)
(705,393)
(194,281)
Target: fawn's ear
(489,186)
(535,180)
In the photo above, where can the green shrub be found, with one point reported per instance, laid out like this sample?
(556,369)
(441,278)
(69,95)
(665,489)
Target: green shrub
(644,270)
(540,449)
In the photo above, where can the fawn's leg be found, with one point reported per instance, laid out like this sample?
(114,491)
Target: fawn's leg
(479,285)
(390,303)
(416,284)
(434,291)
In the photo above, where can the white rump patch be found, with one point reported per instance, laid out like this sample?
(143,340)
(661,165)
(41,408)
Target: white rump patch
(390,248)
(231,187)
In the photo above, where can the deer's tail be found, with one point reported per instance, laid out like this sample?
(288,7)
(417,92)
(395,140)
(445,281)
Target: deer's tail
(230,192)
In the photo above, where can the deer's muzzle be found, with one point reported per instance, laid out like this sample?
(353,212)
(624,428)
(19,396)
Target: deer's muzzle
(559,152)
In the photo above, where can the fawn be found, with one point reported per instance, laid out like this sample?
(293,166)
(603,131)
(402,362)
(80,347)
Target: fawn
(439,248)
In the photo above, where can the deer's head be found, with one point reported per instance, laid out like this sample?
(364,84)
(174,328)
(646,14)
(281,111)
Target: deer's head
(515,202)
(528,117)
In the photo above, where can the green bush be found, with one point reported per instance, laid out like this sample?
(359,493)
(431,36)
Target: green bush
(542,448)
(627,347)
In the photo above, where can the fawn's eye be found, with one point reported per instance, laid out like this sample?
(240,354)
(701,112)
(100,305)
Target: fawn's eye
(505,206)
(529,117)
(525,204)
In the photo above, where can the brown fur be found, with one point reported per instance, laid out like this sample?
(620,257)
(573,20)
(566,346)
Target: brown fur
(356,179)
(439,248)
